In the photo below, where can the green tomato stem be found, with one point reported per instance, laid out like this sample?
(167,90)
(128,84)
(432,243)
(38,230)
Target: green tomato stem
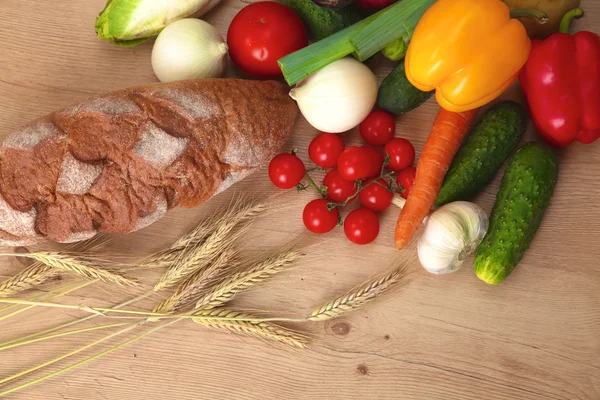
(312,183)
(360,188)
(321,190)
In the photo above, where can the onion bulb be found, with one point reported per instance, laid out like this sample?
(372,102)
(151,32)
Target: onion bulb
(189,49)
(452,233)
(338,97)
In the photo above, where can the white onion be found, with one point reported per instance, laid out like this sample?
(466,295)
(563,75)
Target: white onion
(189,49)
(338,97)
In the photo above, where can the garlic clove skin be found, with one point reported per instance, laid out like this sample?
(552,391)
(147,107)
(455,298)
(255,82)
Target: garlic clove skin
(452,233)
(338,97)
(189,49)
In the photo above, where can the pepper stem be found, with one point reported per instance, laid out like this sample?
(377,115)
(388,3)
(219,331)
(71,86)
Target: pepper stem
(540,16)
(566,20)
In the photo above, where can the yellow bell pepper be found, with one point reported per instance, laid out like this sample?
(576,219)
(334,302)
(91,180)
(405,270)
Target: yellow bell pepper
(469,51)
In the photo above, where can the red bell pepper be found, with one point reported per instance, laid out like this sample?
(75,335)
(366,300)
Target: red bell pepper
(561,81)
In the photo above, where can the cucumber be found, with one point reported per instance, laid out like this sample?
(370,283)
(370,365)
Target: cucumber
(397,95)
(492,141)
(524,195)
(322,22)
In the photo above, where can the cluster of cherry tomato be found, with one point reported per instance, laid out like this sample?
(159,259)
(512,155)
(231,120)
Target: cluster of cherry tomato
(363,172)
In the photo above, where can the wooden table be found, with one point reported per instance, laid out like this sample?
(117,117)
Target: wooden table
(445,337)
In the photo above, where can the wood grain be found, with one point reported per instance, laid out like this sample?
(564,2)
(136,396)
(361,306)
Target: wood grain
(450,337)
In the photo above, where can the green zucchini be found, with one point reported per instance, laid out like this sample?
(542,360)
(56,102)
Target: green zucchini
(490,143)
(397,95)
(524,195)
(322,22)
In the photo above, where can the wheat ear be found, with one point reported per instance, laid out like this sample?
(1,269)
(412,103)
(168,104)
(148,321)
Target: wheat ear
(187,292)
(244,323)
(199,255)
(166,258)
(364,293)
(236,283)
(30,277)
(79,266)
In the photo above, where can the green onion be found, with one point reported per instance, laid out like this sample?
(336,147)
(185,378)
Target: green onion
(363,39)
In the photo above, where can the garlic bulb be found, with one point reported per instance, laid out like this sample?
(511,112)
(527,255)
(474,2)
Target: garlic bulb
(189,49)
(338,97)
(452,233)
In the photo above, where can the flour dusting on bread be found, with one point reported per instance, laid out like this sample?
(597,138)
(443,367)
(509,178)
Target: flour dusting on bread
(116,163)
(79,236)
(31,135)
(158,147)
(194,104)
(76,177)
(161,210)
(15,222)
(114,105)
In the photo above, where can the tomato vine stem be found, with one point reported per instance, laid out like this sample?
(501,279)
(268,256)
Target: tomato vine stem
(387,176)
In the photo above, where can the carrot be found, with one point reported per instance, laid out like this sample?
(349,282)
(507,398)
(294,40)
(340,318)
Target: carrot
(447,134)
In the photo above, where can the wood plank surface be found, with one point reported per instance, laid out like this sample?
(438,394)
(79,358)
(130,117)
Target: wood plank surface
(536,336)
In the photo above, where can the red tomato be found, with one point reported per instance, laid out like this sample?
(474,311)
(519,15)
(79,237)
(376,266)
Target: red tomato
(361,226)
(378,128)
(401,153)
(318,219)
(262,33)
(338,189)
(405,180)
(286,171)
(355,163)
(325,149)
(376,196)
(375,161)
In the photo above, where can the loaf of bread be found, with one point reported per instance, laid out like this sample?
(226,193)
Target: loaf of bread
(118,162)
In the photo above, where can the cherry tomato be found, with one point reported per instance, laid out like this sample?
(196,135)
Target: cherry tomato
(405,180)
(375,161)
(376,196)
(378,128)
(318,219)
(361,226)
(325,149)
(355,163)
(286,171)
(338,189)
(401,153)
(262,33)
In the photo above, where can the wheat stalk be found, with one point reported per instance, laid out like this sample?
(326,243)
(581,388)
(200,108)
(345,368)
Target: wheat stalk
(167,257)
(199,255)
(30,277)
(162,259)
(79,266)
(244,323)
(236,283)
(364,293)
(188,291)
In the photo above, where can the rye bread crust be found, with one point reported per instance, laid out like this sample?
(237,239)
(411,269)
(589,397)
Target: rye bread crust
(117,162)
